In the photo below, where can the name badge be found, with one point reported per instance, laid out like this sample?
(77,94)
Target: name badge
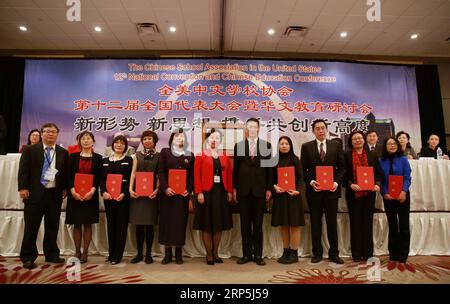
(216,179)
(50,174)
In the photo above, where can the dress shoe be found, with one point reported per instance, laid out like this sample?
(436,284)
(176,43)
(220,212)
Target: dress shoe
(244,260)
(218,260)
(316,259)
(358,259)
(137,259)
(259,261)
(209,262)
(148,259)
(178,255)
(337,260)
(84,259)
(57,260)
(29,265)
(115,262)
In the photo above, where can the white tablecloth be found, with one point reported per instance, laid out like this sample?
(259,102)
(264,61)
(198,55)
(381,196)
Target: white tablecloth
(430,235)
(430,188)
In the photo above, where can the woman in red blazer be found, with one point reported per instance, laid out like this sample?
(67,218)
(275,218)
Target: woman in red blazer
(213,186)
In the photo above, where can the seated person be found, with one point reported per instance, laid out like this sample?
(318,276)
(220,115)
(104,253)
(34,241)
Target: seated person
(431,149)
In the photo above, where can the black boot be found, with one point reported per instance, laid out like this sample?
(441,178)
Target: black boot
(168,256)
(284,256)
(137,258)
(178,255)
(292,257)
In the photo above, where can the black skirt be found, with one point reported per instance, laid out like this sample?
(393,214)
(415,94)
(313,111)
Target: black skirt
(287,210)
(214,215)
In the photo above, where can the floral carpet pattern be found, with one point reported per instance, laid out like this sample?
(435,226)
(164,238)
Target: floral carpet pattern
(419,270)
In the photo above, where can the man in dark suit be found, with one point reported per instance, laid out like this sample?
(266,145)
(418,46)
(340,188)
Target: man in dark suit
(42,182)
(372,143)
(252,180)
(323,152)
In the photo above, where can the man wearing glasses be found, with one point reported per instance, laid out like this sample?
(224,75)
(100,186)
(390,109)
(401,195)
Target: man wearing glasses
(42,181)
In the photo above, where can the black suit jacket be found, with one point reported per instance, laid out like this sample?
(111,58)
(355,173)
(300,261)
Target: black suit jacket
(248,175)
(377,151)
(310,160)
(372,160)
(30,171)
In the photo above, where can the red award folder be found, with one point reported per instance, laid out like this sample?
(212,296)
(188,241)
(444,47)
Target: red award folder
(83,183)
(114,184)
(144,183)
(286,178)
(365,178)
(395,185)
(177,180)
(324,176)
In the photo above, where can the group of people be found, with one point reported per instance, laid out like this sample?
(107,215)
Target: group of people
(47,175)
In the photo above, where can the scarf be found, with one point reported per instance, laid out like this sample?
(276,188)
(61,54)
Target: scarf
(359,160)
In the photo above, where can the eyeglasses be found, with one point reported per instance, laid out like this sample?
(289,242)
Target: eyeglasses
(50,131)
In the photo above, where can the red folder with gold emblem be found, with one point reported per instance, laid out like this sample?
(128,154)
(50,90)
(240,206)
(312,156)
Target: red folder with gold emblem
(144,183)
(177,180)
(395,185)
(114,185)
(83,183)
(365,178)
(324,176)
(286,178)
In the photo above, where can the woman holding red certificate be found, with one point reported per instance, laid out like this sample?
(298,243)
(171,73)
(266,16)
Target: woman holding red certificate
(114,186)
(176,178)
(213,186)
(363,179)
(287,210)
(82,205)
(143,192)
(395,190)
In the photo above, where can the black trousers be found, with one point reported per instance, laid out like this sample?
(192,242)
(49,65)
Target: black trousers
(399,235)
(49,208)
(318,205)
(117,214)
(361,225)
(251,210)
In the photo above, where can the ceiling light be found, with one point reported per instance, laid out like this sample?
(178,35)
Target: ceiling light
(414,36)
(98,29)
(172,29)
(23,28)
(344,34)
(271,31)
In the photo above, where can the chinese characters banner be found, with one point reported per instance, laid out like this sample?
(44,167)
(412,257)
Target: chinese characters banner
(130,96)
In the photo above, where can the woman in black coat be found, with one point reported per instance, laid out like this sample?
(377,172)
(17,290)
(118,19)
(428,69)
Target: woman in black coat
(361,204)
(82,210)
(117,209)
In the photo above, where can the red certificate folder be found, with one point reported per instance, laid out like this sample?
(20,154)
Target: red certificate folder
(83,183)
(395,185)
(144,183)
(324,176)
(114,184)
(365,178)
(177,180)
(286,178)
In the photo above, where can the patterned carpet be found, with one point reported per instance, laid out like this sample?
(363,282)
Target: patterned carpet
(420,270)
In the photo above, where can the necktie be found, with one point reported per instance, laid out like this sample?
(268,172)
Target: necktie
(252,149)
(372,148)
(322,152)
(47,163)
